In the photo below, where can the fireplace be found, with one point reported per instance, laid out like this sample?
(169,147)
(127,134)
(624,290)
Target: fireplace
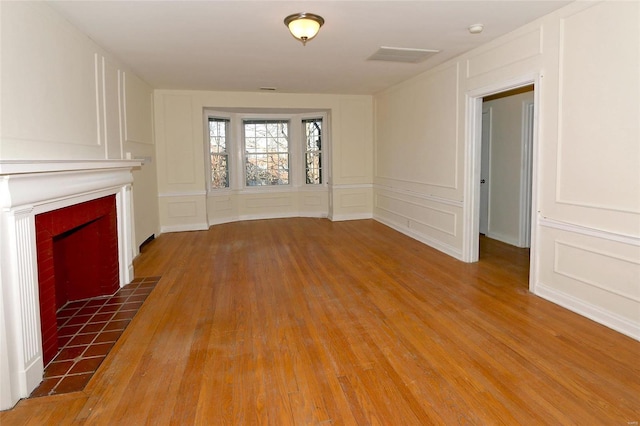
(77,250)
(31,193)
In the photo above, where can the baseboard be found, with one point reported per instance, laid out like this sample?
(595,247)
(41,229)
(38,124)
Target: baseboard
(147,241)
(595,313)
(431,242)
(352,216)
(264,216)
(503,238)
(184,228)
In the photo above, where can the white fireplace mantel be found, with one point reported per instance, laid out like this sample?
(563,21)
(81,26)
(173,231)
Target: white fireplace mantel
(28,188)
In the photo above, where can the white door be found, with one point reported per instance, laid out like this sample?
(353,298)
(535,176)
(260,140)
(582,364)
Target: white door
(485,169)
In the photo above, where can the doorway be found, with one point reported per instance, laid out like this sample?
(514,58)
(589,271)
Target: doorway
(526,162)
(505,171)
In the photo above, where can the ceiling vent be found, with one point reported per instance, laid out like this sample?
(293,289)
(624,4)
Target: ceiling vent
(402,54)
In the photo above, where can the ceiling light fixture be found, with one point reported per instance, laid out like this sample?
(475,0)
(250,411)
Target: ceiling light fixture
(304,26)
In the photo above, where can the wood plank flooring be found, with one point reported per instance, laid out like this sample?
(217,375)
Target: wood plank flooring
(310,322)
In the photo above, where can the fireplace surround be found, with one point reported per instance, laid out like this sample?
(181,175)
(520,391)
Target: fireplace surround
(28,189)
(77,259)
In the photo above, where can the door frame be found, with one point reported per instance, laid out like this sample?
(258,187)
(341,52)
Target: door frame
(471,205)
(485,167)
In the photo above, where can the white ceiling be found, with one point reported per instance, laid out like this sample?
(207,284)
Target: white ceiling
(244,45)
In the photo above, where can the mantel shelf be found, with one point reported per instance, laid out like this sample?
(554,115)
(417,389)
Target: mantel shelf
(19,167)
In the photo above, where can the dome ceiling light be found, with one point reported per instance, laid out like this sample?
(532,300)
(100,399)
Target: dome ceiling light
(304,26)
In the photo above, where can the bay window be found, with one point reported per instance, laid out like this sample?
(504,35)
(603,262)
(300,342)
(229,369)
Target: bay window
(263,151)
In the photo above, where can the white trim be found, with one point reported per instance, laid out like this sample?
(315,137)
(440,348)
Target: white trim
(121,112)
(124,106)
(350,216)
(105,127)
(524,234)
(437,185)
(472,161)
(352,186)
(182,194)
(184,228)
(231,219)
(595,313)
(472,167)
(27,189)
(431,242)
(96,67)
(279,216)
(591,232)
(426,197)
(18,167)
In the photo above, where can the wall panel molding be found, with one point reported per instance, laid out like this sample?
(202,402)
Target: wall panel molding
(450,216)
(591,232)
(515,50)
(617,269)
(420,195)
(180,209)
(352,186)
(417,182)
(597,147)
(179,152)
(588,310)
(182,194)
(431,242)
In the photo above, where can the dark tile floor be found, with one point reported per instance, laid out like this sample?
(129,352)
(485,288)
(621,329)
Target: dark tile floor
(87,330)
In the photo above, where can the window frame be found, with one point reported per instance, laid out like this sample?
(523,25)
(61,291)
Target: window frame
(236,150)
(271,118)
(321,168)
(228,141)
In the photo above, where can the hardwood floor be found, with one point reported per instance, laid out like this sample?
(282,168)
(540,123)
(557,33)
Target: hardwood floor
(306,321)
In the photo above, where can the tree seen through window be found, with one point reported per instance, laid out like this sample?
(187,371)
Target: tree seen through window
(313,150)
(266,152)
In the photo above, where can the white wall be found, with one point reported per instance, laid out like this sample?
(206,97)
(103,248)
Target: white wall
(65,98)
(506,168)
(586,59)
(180,133)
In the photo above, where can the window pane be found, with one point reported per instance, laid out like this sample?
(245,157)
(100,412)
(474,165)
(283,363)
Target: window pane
(218,129)
(313,147)
(219,171)
(266,152)
(313,132)
(313,168)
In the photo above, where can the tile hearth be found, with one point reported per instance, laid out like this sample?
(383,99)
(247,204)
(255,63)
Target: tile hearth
(87,330)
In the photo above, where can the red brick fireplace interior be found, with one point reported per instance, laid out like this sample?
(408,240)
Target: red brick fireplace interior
(77,259)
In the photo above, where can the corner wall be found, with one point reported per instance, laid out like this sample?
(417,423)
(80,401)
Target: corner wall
(587,224)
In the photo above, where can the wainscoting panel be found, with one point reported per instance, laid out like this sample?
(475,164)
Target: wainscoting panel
(352,202)
(233,206)
(183,212)
(594,275)
(430,220)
